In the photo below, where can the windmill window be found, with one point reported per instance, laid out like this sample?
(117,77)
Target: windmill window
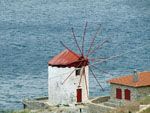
(78,71)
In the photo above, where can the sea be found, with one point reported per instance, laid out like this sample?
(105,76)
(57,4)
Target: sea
(31,31)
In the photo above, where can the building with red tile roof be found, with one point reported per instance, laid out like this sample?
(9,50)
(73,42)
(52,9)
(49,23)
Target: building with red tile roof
(143,80)
(129,88)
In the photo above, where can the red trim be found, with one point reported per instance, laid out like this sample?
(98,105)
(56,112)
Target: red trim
(76,64)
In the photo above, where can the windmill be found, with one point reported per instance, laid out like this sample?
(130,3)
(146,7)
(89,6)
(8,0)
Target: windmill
(84,58)
(69,62)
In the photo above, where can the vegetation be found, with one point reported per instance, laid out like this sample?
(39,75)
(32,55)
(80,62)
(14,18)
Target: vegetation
(15,111)
(6,111)
(145,100)
(146,111)
(129,108)
(23,111)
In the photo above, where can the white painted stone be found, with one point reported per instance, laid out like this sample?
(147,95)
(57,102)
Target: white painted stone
(59,93)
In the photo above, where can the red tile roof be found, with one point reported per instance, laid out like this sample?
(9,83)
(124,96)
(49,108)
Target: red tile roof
(144,80)
(65,59)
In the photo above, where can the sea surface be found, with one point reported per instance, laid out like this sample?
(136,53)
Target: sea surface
(31,31)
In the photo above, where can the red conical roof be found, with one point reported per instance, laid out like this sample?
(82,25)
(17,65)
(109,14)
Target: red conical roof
(66,58)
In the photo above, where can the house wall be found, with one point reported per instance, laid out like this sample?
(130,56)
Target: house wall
(143,91)
(59,93)
(136,93)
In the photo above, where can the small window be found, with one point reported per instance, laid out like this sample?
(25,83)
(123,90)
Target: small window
(78,72)
(118,93)
(127,94)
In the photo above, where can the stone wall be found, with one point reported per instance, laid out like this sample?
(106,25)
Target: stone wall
(136,93)
(99,108)
(143,91)
(99,100)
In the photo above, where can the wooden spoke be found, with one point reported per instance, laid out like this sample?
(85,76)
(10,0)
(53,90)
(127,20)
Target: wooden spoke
(93,40)
(101,70)
(86,84)
(81,74)
(96,79)
(71,74)
(98,47)
(74,37)
(83,39)
(96,59)
(115,56)
(64,45)
(68,76)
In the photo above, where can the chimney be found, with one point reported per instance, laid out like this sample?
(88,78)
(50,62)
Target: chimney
(135,76)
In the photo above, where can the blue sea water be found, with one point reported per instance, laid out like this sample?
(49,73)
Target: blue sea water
(30,31)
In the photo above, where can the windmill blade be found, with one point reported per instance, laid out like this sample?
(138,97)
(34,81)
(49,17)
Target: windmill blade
(86,84)
(93,40)
(68,76)
(81,74)
(98,47)
(96,59)
(96,79)
(71,74)
(83,39)
(74,37)
(110,58)
(64,45)
(101,70)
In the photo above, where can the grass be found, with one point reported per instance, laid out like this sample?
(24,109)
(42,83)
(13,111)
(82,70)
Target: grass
(146,111)
(129,108)
(145,100)
(23,111)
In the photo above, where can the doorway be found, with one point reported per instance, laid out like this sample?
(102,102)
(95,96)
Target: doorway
(79,95)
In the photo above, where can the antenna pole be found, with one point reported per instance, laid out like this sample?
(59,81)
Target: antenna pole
(96,79)
(83,39)
(74,37)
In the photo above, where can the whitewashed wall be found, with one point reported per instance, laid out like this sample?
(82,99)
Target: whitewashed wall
(66,93)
